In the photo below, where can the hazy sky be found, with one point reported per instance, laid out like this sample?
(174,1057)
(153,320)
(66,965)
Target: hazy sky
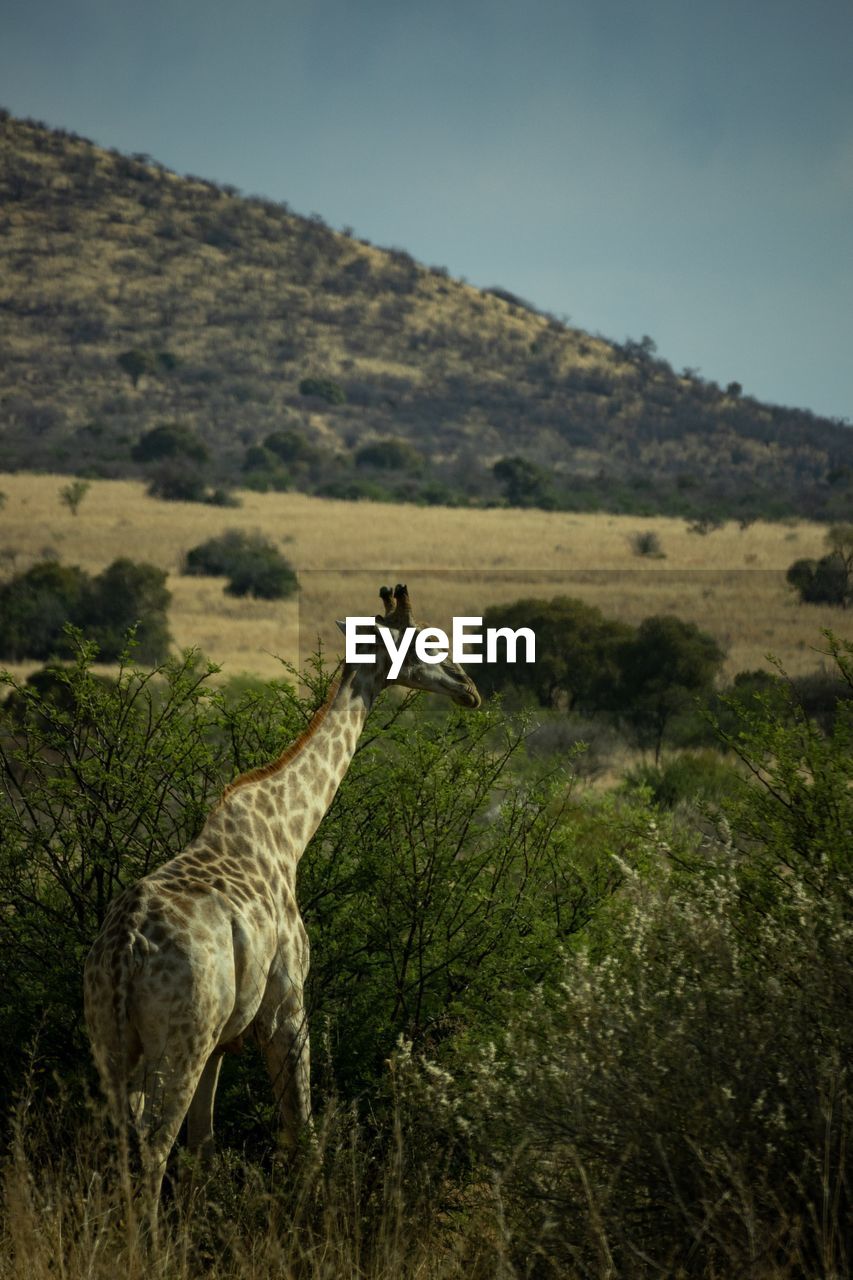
(677,168)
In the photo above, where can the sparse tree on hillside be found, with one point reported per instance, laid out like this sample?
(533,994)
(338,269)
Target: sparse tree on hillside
(170,440)
(324,388)
(73,494)
(136,363)
(390,455)
(524,484)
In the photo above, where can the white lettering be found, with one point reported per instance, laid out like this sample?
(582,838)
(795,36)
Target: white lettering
(431,645)
(461,637)
(511,638)
(397,652)
(355,637)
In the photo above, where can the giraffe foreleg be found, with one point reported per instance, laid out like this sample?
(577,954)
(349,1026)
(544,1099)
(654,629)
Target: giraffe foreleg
(287,1055)
(283,1038)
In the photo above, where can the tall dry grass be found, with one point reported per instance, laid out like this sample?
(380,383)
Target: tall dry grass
(730,581)
(348,1213)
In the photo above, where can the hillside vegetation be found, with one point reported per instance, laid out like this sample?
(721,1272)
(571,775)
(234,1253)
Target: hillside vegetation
(270,351)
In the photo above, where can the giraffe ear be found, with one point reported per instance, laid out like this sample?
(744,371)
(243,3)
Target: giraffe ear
(342,626)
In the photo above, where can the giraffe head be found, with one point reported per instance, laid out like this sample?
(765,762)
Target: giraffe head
(444,677)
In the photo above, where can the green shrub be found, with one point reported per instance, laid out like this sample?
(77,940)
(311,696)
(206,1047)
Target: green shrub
(170,440)
(135,363)
(258,458)
(577,652)
(679,1102)
(692,776)
(103,779)
(679,1108)
(524,483)
(647,543)
(36,606)
(178,481)
(220,497)
(291,446)
(664,667)
(390,455)
(354,489)
(434,879)
(823,581)
(128,595)
(250,562)
(324,388)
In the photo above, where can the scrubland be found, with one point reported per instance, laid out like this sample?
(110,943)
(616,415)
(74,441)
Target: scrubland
(556,1034)
(730,581)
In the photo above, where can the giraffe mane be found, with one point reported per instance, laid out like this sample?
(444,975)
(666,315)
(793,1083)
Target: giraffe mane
(267,770)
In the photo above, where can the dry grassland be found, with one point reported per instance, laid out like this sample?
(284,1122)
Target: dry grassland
(731,581)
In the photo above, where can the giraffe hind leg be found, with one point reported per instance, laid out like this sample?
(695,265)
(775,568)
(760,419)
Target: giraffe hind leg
(287,1055)
(168,1098)
(200,1113)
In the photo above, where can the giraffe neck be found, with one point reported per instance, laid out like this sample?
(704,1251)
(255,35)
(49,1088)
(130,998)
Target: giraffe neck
(295,791)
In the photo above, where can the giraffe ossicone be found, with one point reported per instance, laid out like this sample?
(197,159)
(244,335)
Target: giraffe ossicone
(210,947)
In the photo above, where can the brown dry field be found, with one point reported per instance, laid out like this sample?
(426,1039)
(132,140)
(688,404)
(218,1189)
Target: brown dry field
(731,581)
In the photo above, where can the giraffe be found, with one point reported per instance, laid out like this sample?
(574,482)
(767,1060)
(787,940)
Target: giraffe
(210,947)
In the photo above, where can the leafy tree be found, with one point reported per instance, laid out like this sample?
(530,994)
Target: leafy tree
(823,581)
(129,595)
(259,458)
(324,389)
(35,606)
(828,580)
(250,562)
(438,876)
(390,455)
(577,652)
(291,446)
(101,781)
(422,895)
(73,494)
(135,363)
(170,440)
(178,481)
(524,484)
(663,667)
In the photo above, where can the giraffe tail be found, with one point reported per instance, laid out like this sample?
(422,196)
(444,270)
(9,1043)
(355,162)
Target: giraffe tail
(117,956)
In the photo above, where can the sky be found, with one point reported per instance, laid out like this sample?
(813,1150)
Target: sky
(681,169)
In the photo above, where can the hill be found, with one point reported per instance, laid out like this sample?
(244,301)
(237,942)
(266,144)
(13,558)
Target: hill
(281,353)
